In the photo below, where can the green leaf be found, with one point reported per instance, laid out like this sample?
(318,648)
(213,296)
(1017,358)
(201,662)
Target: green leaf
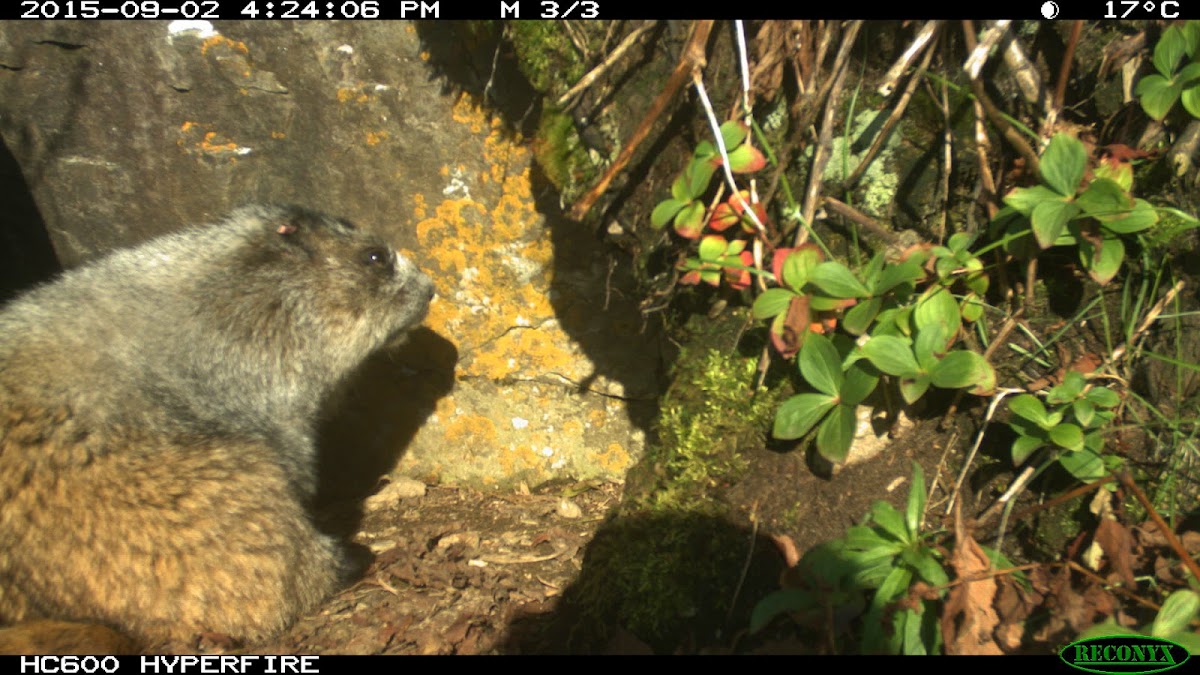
(889,519)
(771,302)
(892,355)
(931,345)
(689,222)
(820,364)
(1086,466)
(836,280)
(1176,613)
(912,389)
(836,434)
(1070,389)
(937,306)
(665,211)
(928,567)
(1067,435)
(1023,447)
(1102,397)
(746,159)
(799,414)
(1050,219)
(859,538)
(1190,97)
(960,369)
(915,507)
(894,275)
(908,625)
(1102,264)
(861,379)
(1140,217)
(1105,201)
(733,133)
(1029,407)
(971,307)
(1190,75)
(697,176)
(779,602)
(1025,200)
(712,247)
(1171,47)
(859,317)
(1063,164)
(1085,412)
(797,266)
(1157,94)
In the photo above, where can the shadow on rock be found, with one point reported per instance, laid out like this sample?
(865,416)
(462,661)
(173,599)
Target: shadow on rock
(26,253)
(382,406)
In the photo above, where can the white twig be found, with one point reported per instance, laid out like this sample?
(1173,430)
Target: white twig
(745,64)
(991,37)
(962,476)
(716,129)
(910,54)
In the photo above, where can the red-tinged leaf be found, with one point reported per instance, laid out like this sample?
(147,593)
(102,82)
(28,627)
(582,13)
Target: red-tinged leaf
(740,279)
(789,328)
(712,247)
(746,159)
(690,221)
(723,216)
(711,277)
(791,269)
(690,278)
(733,133)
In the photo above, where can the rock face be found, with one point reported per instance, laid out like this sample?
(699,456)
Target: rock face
(536,364)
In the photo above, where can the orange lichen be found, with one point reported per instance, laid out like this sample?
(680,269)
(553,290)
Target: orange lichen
(376,137)
(474,429)
(221,40)
(518,458)
(614,458)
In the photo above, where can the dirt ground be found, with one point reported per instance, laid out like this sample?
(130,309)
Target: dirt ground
(458,571)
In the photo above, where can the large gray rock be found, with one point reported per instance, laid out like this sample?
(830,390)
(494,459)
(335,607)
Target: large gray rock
(535,365)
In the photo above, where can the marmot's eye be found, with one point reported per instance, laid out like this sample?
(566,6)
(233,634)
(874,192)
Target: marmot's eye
(376,257)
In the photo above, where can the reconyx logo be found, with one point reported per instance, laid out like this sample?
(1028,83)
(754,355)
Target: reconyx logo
(1126,654)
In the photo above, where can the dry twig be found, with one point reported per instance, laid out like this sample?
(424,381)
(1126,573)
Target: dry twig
(691,59)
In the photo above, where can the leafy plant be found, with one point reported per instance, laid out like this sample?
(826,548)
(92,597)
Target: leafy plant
(810,290)
(684,208)
(1159,92)
(1073,425)
(887,554)
(1173,622)
(1060,213)
(842,382)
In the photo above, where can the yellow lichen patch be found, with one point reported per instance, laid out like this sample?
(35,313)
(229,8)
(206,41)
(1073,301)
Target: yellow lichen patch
(596,418)
(221,40)
(278,135)
(614,458)
(518,458)
(493,264)
(474,429)
(376,137)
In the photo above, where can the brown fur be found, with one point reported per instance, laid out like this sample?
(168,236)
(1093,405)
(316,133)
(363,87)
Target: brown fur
(130,497)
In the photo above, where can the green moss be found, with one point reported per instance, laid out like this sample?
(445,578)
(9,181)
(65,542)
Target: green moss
(560,153)
(545,55)
(667,565)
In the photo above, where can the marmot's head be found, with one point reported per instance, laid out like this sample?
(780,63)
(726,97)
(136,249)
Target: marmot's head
(321,289)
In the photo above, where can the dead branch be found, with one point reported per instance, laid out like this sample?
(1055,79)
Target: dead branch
(691,58)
